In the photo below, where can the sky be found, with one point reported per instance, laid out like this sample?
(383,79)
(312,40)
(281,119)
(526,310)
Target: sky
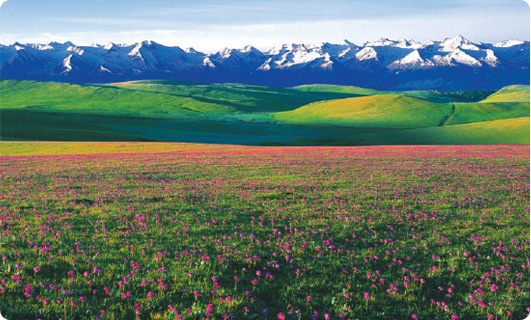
(211,25)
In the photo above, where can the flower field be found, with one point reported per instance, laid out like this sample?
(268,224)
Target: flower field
(267,233)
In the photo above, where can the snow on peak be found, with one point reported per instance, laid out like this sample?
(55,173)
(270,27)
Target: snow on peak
(367,53)
(76,50)
(67,64)
(40,46)
(408,44)
(208,63)
(190,50)
(103,69)
(301,56)
(135,52)
(382,42)
(450,44)
(426,44)
(344,53)
(265,66)
(109,46)
(490,58)
(226,53)
(412,60)
(284,48)
(246,49)
(327,63)
(462,58)
(508,43)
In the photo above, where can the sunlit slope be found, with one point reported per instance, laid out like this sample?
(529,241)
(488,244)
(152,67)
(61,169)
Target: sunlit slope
(431,95)
(506,131)
(242,97)
(102,100)
(388,111)
(487,111)
(26,148)
(507,103)
(434,96)
(358,91)
(515,93)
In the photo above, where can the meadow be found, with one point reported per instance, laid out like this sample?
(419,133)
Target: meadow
(173,111)
(203,232)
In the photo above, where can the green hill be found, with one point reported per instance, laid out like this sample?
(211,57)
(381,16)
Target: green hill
(101,100)
(515,93)
(242,97)
(431,95)
(507,131)
(156,110)
(388,111)
(354,91)
(487,111)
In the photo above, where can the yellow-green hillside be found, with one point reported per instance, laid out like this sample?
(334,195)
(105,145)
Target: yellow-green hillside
(507,131)
(515,93)
(388,111)
(487,111)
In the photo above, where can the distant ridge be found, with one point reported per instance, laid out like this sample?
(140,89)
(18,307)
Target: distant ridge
(451,64)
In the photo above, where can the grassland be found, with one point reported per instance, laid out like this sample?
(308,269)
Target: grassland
(425,232)
(387,111)
(27,148)
(489,132)
(249,114)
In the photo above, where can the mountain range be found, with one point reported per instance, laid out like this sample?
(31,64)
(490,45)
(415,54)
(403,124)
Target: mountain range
(448,65)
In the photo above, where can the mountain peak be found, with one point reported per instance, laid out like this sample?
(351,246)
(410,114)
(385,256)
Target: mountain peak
(459,41)
(508,43)
(372,63)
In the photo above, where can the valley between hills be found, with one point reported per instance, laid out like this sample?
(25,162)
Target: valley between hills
(161,110)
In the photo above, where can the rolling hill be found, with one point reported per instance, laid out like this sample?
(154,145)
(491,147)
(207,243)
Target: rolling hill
(386,111)
(514,93)
(506,131)
(256,115)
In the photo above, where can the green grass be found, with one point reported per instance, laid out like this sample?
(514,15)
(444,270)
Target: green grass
(348,233)
(506,131)
(515,93)
(358,91)
(388,111)
(488,111)
(101,100)
(431,95)
(27,148)
(157,110)
(242,97)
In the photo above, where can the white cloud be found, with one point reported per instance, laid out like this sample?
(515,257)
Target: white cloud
(2,2)
(264,36)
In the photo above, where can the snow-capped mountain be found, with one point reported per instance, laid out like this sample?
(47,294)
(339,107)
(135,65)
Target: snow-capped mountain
(450,64)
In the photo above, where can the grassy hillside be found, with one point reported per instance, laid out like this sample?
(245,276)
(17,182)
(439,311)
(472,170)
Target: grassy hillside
(507,131)
(242,97)
(386,111)
(515,93)
(487,111)
(245,114)
(322,88)
(431,95)
(101,100)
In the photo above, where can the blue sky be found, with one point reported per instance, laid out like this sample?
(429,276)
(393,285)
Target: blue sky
(210,25)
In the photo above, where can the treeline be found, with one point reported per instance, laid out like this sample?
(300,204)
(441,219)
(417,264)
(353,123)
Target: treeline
(469,95)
